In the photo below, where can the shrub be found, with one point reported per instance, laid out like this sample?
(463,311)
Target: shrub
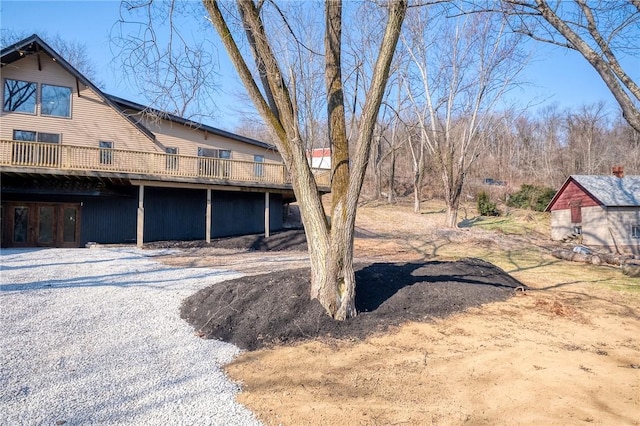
(531,197)
(485,206)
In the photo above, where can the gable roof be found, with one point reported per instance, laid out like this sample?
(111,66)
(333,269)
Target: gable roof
(610,191)
(35,45)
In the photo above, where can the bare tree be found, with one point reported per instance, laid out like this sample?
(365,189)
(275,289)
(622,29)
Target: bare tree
(626,146)
(72,51)
(174,71)
(391,135)
(461,68)
(396,136)
(418,150)
(544,147)
(586,134)
(330,245)
(602,31)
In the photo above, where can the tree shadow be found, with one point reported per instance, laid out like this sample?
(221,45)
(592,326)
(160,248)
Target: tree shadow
(281,241)
(468,223)
(379,282)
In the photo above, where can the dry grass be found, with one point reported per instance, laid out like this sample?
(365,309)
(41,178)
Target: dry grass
(565,352)
(518,243)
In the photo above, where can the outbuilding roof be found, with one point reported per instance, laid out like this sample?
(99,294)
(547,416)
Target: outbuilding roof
(609,191)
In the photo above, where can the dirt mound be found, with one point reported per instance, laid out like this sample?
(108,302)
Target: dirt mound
(293,239)
(275,308)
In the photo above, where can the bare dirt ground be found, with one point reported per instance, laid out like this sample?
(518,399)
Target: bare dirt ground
(565,352)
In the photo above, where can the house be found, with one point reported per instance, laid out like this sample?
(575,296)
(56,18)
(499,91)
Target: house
(603,211)
(320,158)
(80,166)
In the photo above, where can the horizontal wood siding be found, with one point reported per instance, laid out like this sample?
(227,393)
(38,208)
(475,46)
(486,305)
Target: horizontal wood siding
(187,140)
(572,193)
(174,214)
(92,120)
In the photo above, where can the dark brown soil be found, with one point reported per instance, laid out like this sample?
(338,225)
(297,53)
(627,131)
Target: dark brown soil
(261,310)
(292,239)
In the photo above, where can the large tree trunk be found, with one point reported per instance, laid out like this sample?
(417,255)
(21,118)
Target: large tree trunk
(417,189)
(451,220)
(453,190)
(330,245)
(335,288)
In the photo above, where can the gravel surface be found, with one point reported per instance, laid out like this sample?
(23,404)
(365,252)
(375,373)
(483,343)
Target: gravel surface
(93,336)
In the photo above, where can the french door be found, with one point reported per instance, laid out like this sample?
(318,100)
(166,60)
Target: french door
(40,225)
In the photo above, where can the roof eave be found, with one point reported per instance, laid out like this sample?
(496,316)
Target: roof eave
(558,193)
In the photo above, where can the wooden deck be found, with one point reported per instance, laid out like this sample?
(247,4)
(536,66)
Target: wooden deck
(46,158)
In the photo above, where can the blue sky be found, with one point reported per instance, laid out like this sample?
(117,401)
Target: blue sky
(555,75)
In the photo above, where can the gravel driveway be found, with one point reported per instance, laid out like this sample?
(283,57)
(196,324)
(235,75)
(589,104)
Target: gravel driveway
(93,336)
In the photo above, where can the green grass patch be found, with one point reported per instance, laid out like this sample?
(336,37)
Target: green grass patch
(512,222)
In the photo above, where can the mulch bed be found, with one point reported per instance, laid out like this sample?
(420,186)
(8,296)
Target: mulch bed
(262,310)
(292,239)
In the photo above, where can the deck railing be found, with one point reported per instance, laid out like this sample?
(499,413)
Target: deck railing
(80,158)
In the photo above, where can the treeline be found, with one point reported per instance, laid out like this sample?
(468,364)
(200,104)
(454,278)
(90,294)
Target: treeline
(540,149)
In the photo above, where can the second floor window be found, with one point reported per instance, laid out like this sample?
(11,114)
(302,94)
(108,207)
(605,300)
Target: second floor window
(20,96)
(46,154)
(24,135)
(106,152)
(172,158)
(31,136)
(214,168)
(258,167)
(56,101)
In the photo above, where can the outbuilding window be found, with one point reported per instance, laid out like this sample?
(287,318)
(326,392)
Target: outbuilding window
(576,212)
(635,231)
